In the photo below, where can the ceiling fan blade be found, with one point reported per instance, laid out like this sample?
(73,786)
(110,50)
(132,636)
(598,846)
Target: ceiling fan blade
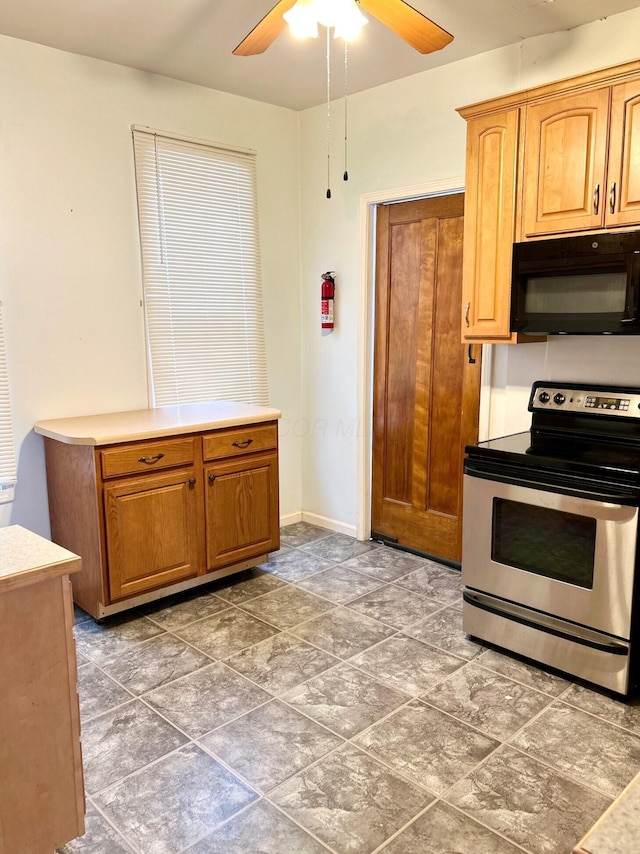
(411,25)
(266,32)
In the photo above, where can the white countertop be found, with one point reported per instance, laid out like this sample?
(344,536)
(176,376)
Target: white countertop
(113,427)
(25,557)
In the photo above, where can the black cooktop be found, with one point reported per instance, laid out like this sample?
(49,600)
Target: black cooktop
(589,456)
(577,429)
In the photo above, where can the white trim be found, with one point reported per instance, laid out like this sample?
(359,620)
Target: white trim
(366,282)
(290,519)
(330,524)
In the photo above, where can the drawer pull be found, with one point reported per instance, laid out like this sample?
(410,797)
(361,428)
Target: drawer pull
(150,460)
(244,444)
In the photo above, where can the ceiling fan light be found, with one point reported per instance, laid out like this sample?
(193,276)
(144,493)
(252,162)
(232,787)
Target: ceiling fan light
(302,19)
(329,11)
(351,22)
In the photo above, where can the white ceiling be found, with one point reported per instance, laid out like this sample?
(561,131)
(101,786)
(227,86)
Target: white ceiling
(192,40)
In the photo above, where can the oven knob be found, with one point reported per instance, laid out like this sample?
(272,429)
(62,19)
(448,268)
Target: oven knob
(544,397)
(559,398)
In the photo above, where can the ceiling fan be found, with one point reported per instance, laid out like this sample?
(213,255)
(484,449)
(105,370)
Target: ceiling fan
(411,25)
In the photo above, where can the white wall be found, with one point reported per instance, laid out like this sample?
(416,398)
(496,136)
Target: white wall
(401,134)
(69,253)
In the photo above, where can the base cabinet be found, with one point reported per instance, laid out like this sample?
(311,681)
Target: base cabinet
(41,785)
(157,516)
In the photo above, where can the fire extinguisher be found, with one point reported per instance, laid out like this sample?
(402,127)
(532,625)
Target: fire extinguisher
(327,294)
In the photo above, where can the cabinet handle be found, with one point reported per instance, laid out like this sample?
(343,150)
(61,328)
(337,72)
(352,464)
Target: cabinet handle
(472,361)
(150,460)
(192,481)
(596,199)
(244,444)
(612,198)
(466,314)
(212,477)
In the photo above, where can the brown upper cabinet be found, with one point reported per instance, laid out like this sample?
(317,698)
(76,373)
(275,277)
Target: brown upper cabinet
(565,155)
(558,159)
(489,224)
(623,200)
(582,161)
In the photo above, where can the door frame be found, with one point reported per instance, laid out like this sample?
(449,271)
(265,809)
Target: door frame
(365,314)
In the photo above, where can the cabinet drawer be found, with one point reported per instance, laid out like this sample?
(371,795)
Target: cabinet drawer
(146,457)
(239,440)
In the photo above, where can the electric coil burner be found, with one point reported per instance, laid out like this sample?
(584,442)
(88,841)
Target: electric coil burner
(550,535)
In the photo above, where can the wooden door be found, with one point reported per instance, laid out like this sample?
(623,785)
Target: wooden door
(623,185)
(426,390)
(489,225)
(242,509)
(564,163)
(152,531)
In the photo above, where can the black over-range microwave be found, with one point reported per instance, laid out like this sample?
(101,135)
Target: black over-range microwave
(587,285)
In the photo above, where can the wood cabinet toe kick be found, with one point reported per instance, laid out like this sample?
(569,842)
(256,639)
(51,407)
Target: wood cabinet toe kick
(155,510)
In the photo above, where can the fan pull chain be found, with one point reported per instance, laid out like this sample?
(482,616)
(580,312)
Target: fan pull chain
(345,177)
(328,113)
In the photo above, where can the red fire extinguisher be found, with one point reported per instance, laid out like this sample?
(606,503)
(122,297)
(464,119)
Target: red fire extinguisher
(327,295)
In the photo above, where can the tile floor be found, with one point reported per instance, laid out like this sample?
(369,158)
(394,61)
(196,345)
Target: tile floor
(330,701)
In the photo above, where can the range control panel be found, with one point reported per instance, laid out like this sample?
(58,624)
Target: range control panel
(609,400)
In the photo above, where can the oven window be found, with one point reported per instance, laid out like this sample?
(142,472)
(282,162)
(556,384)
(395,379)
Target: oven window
(547,542)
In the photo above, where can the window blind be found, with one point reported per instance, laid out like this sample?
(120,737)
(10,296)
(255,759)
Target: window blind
(198,217)
(7,446)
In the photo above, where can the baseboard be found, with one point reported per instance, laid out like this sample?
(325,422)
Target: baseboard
(331,524)
(290,519)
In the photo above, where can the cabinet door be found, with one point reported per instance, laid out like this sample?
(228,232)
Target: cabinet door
(564,165)
(151,532)
(242,509)
(489,225)
(623,190)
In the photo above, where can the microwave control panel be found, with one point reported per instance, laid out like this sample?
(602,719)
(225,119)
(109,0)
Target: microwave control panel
(622,403)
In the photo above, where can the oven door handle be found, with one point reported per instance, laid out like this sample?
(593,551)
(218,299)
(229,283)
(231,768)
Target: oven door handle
(544,623)
(553,485)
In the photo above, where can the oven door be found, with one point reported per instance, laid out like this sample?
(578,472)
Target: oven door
(569,556)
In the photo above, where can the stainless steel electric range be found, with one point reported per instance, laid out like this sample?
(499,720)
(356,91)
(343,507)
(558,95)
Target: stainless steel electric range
(550,534)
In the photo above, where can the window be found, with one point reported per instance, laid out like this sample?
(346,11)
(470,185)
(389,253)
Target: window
(7,448)
(197,210)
